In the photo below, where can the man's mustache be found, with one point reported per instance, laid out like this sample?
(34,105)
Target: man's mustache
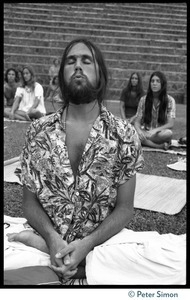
(78,73)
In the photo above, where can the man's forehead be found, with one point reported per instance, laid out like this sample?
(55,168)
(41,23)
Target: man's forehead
(79,49)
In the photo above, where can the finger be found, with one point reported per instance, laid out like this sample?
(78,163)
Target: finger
(56,261)
(70,274)
(66,260)
(64,273)
(57,270)
(64,251)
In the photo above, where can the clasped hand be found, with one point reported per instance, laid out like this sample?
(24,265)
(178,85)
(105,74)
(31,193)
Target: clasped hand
(68,258)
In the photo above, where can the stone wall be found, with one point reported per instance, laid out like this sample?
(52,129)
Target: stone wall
(141,37)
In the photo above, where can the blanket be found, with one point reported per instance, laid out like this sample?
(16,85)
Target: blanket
(175,148)
(179,165)
(161,194)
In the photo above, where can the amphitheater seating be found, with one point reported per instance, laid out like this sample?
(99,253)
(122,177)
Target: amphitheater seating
(133,37)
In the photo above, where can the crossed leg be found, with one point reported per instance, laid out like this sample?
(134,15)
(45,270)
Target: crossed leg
(31,239)
(159,140)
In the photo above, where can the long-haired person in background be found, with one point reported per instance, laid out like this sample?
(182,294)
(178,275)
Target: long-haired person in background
(156,113)
(29,98)
(10,86)
(130,97)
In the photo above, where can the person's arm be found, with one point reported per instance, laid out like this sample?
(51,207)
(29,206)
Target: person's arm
(117,220)
(40,221)
(168,125)
(15,106)
(171,113)
(38,92)
(122,109)
(5,101)
(138,119)
(35,104)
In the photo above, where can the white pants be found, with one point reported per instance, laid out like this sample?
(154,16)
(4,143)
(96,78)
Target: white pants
(129,257)
(138,258)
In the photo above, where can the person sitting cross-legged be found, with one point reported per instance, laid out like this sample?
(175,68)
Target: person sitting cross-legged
(29,99)
(155,114)
(78,167)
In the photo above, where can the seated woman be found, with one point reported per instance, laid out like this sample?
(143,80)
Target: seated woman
(10,86)
(54,68)
(29,99)
(53,92)
(156,114)
(130,97)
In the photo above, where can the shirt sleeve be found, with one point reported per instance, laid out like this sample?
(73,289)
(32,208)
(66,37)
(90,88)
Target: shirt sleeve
(29,175)
(38,91)
(19,92)
(140,108)
(130,156)
(171,111)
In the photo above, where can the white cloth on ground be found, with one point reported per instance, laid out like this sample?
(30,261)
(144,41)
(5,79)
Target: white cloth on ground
(138,258)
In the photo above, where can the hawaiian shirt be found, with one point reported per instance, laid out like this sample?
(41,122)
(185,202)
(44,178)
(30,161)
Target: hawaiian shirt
(170,112)
(76,206)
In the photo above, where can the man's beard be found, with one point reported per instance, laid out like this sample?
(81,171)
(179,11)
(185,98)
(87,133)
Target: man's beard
(80,92)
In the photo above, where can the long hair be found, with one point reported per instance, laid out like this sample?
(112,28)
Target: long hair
(16,74)
(33,78)
(125,95)
(98,57)
(162,97)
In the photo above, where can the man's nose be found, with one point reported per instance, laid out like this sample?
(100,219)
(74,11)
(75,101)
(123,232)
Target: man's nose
(78,65)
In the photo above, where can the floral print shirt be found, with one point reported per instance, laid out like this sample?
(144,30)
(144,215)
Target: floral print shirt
(112,155)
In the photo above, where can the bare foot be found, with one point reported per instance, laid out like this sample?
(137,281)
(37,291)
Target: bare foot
(29,238)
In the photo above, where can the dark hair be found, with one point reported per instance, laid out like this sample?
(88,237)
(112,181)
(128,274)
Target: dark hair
(125,95)
(54,60)
(16,74)
(97,56)
(162,97)
(33,78)
(53,80)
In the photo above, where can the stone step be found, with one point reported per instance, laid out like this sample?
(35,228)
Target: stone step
(102,23)
(14,29)
(58,47)
(155,9)
(132,36)
(119,83)
(17,58)
(107,42)
(114,73)
(52,25)
(124,74)
(119,55)
(114,94)
(123,19)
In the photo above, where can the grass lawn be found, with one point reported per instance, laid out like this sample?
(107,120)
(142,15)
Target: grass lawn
(155,164)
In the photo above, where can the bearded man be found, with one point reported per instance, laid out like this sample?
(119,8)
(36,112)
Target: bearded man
(78,167)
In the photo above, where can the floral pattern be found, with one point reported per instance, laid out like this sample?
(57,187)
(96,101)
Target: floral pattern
(112,155)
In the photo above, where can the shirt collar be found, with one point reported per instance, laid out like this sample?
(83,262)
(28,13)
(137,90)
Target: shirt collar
(60,116)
